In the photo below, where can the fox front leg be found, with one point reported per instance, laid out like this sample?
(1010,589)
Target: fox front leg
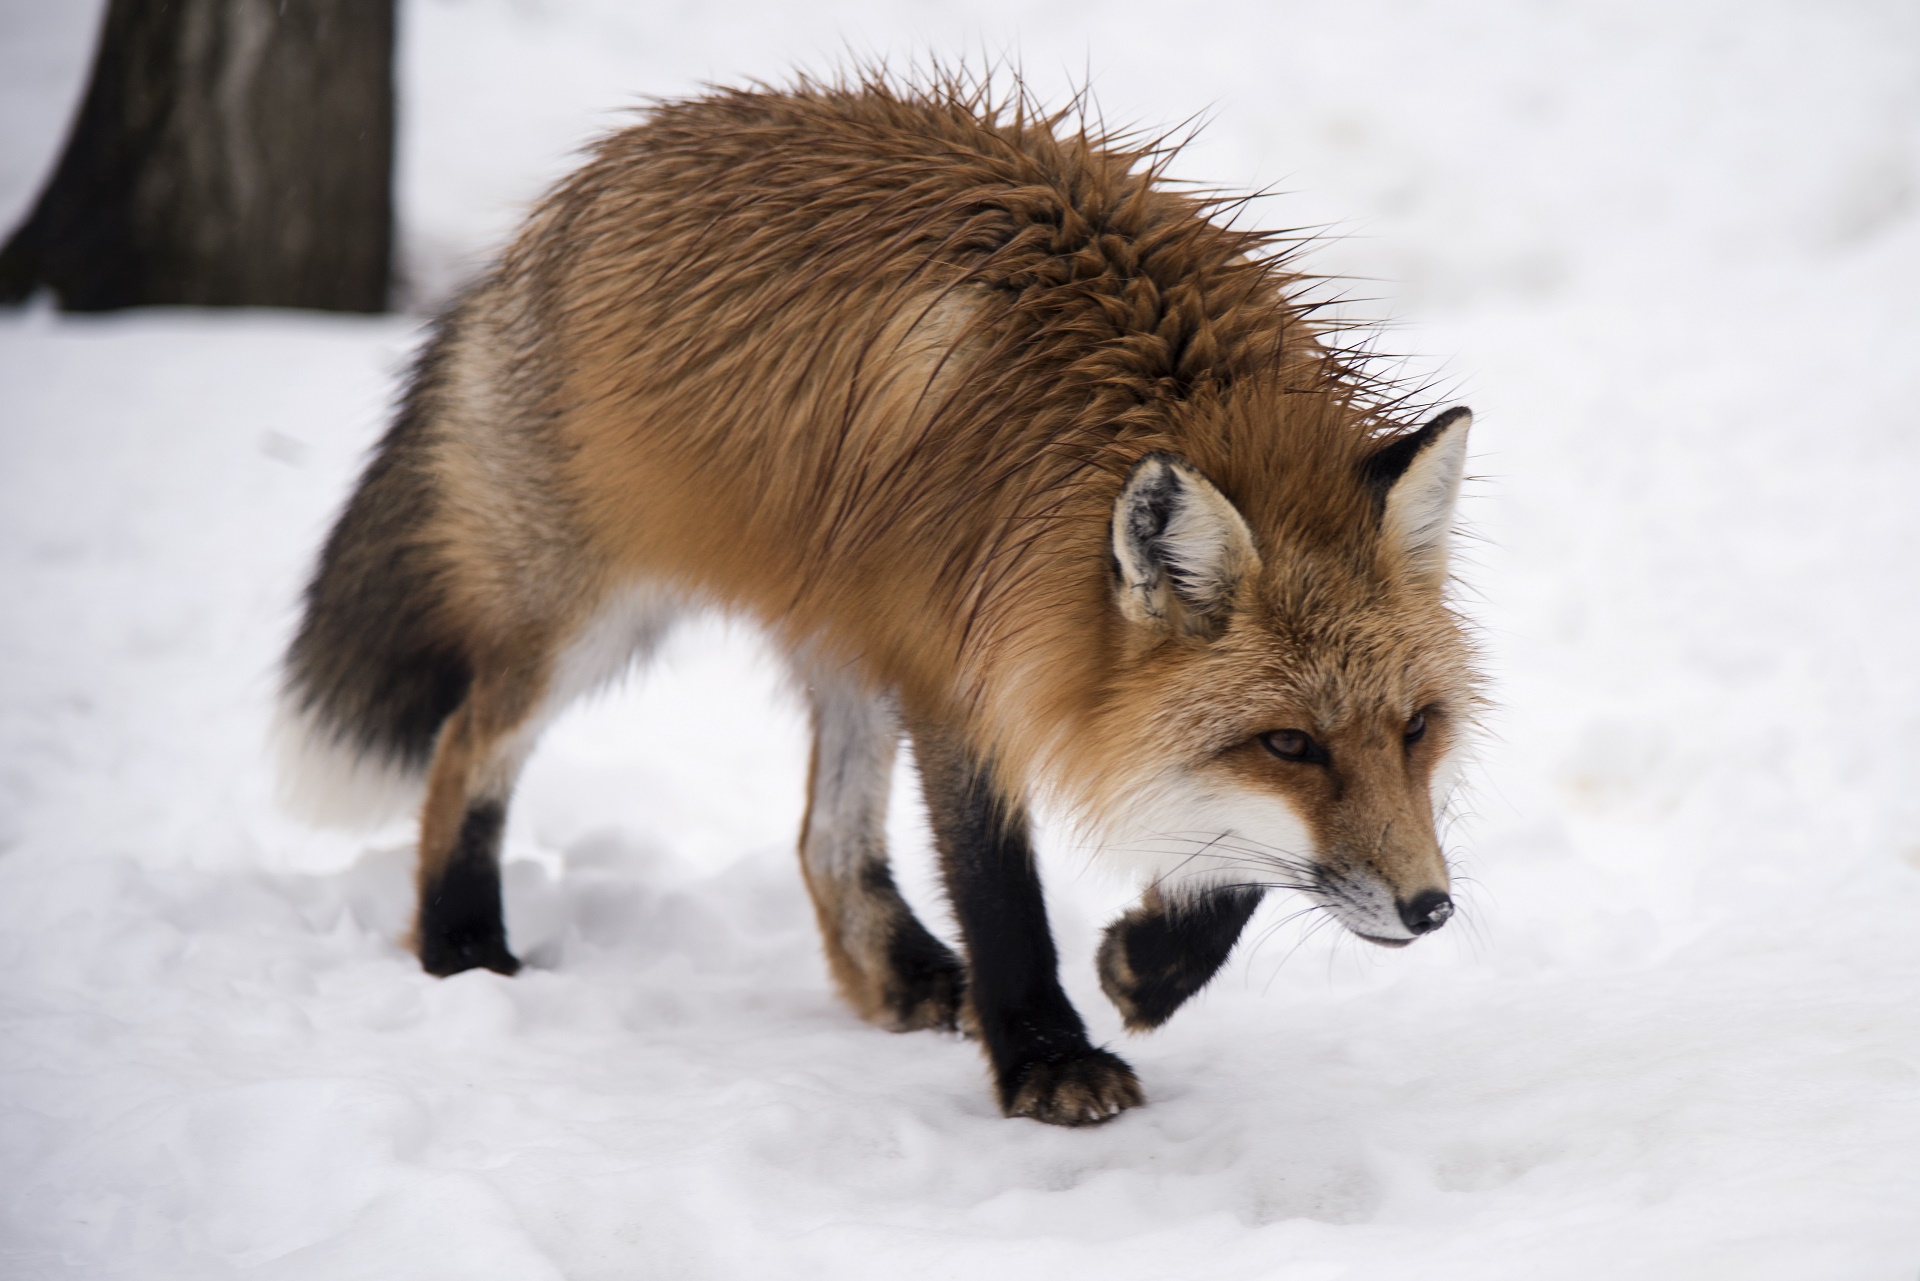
(1043,1065)
(1166,948)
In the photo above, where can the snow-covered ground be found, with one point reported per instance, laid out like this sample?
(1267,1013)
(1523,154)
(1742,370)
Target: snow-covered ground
(1670,253)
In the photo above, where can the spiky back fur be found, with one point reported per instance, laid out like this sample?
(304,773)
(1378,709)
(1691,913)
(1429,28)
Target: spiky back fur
(867,362)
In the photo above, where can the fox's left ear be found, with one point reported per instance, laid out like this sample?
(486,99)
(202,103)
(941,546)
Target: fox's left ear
(1418,479)
(1181,547)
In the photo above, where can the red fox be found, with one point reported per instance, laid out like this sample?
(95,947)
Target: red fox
(1016,452)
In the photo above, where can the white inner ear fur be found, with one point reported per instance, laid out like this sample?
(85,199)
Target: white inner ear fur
(1177,539)
(1419,514)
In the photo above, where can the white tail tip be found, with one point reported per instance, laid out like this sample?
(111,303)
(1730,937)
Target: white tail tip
(325,782)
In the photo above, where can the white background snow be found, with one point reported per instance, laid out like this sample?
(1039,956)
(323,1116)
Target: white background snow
(1669,252)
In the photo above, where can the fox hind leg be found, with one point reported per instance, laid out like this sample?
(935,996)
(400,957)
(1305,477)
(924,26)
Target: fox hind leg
(460,925)
(886,963)
(477,759)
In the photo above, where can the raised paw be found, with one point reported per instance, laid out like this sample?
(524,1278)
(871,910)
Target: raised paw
(1123,985)
(1160,953)
(1091,1087)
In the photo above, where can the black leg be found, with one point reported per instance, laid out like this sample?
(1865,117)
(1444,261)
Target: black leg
(1164,950)
(461,926)
(925,981)
(1043,1065)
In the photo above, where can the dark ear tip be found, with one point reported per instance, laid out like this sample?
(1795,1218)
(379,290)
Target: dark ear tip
(1391,460)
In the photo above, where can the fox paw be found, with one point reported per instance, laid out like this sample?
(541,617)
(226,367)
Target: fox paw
(928,997)
(448,955)
(1160,953)
(1087,1089)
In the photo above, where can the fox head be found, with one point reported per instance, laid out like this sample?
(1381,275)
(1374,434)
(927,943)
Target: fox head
(1305,687)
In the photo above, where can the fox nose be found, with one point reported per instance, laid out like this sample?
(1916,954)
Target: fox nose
(1426,911)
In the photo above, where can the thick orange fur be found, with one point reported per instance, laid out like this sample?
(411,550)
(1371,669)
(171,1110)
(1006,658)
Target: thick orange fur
(871,364)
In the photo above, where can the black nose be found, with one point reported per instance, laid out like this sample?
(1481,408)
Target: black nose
(1426,912)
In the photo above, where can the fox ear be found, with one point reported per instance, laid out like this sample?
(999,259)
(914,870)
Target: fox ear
(1418,479)
(1182,549)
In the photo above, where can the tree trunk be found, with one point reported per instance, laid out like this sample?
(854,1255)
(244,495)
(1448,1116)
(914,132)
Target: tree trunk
(227,153)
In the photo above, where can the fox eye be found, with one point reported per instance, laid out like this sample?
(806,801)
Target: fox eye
(1294,745)
(1416,729)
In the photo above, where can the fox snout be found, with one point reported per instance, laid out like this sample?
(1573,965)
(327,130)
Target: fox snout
(1363,899)
(1426,911)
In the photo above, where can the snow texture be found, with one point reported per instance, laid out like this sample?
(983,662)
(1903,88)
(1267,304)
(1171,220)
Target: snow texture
(1669,254)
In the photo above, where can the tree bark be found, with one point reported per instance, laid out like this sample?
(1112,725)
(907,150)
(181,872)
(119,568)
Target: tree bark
(227,153)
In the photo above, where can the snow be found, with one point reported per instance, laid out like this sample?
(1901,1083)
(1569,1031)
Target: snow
(1667,252)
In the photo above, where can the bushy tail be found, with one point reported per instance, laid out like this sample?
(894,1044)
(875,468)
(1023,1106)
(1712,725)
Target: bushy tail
(377,665)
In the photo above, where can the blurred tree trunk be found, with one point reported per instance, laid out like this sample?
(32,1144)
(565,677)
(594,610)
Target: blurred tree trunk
(227,153)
